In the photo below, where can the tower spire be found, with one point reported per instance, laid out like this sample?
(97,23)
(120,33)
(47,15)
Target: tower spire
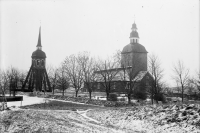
(39,45)
(134,37)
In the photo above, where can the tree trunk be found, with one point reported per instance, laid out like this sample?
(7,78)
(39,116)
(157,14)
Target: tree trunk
(129,98)
(182,93)
(53,89)
(107,96)
(152,97)
(63,93)
(76,93)
(90,94)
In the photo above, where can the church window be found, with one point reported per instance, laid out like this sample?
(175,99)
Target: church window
(38,62)
(42,62)
(127,85)
(136,40)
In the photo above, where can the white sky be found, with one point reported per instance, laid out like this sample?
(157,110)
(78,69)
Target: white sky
(167,28)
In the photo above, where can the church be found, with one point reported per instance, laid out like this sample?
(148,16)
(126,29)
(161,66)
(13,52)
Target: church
(133,69)
(37,78)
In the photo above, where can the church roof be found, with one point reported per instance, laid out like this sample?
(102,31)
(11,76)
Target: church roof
(134,26)
(134,34)
(134,47)
(140,76)
(120,76)
(39,39)
(38,54)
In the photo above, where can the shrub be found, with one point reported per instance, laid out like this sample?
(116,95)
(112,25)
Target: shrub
(140,95)
(160,97)
(32,94)
(112,97)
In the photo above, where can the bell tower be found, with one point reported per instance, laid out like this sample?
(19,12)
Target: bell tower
(134,37)
(134,54)
(37,77)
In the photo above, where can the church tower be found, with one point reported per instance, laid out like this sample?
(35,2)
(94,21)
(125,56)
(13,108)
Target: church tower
(134,54)
(37,77)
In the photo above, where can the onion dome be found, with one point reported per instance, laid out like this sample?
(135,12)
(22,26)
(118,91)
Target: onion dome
(134,26)
(134,34)
(134,48)
(38,54)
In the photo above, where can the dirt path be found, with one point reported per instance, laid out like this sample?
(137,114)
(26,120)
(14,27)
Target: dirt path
(83,113)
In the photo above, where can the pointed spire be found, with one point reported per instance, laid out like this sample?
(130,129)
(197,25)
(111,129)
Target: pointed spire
(134,27)
(134,37)
(39,45)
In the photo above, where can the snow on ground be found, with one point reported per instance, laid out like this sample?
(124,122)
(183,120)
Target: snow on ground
(27,100)
(159,119)
(150,119)
(49,121)
(83,113)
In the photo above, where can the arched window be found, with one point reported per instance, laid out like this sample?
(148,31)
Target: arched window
(42,63)
(127,85)
(38,62)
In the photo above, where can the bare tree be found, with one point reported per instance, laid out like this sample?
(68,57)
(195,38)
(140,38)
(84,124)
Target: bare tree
(178,88)
(131,66)
(22,77)
(61,80)
(74,72)
(196,80)
(191,87)
(106,72)
(53,77)
(88,65)
(13,75)
(194,84)
(50,69)
(117,58)
(8,80)
(181,75)
(157,73)
(4,82)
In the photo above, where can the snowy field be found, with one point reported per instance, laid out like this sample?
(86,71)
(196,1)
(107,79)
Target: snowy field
(65,116)
(26,101)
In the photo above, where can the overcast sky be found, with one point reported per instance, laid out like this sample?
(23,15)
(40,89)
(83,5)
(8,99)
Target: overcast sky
(167,28)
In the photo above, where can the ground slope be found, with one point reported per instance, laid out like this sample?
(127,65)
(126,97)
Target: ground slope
(41,121)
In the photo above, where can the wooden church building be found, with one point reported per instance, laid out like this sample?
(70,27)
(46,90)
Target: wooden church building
(133,69)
